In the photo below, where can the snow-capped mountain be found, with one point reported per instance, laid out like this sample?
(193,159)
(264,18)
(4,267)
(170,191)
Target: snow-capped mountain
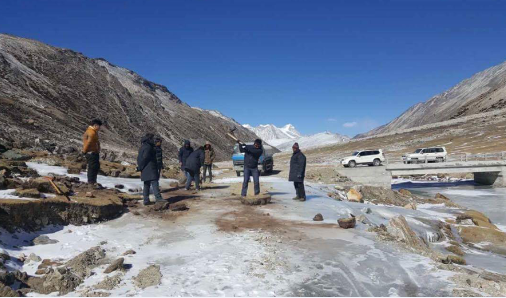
(269,132)
(284,137)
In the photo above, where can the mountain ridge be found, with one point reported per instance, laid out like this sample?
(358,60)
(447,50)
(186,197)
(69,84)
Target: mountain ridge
(49,95)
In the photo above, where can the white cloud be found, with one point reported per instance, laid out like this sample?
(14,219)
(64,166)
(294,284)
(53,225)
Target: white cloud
(332,120)
(350,124)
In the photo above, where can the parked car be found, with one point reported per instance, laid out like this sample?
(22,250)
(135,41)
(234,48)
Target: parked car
(424,155)
(368,157)
(265,162)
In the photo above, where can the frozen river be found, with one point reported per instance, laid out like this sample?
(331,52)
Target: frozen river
(486,199)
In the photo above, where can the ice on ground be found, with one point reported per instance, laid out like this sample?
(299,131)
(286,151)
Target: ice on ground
(134,184)
(9,194)
(240,179)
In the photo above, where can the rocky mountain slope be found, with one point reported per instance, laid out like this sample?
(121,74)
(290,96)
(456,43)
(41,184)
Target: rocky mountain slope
(483,92)
(48,96)
(284,137)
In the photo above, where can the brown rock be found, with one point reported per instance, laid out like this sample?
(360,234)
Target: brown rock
(347,223)
(129,252)
(318,217)
(405,192)
(489,239)
(411,206)
(161,206)
(398,227)
(441,197)
(452,259)
(180,206)
(117,264)
(480,219)
(28,193)
(150,276)
(455,249)
(354,196)
(261,199)
(174,184)
(89,194)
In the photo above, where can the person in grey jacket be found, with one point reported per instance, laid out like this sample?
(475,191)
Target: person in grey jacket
(298,172)
(147,164)
(192,167)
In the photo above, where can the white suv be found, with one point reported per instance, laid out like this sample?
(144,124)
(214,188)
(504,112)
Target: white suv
(368,157)
(424,155)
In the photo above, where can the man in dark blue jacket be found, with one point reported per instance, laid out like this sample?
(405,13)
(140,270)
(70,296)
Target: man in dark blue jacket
(193,164)
(184,152)
(147,164)
(251,155)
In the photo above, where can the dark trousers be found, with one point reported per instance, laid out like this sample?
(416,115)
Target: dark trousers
(93,166)
(155,186)
(210,169)
(299,189)
(256,180)
(192,176)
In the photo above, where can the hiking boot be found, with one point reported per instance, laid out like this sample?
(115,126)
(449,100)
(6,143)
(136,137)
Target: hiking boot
(296,199)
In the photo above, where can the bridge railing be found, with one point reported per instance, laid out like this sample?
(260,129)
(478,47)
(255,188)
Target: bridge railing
(455,157)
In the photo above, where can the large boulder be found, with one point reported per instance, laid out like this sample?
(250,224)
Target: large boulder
(398,227)
(28,193)
(347,223)
(116,265)
(82,264)
(480,219)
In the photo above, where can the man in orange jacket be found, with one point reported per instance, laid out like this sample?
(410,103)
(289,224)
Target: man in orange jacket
(91,149)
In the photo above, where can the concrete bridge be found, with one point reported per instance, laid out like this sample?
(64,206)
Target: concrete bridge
(485,172)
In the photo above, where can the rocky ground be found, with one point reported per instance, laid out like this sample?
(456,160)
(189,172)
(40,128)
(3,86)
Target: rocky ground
(346,239)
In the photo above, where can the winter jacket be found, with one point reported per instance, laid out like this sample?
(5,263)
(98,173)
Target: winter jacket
(184,152)
(195,161)
(159,157)
(297,167)
(146,160)
(209,156)
(251,155)
(90,141)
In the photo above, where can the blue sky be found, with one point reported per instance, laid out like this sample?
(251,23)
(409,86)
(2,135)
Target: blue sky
(342,66)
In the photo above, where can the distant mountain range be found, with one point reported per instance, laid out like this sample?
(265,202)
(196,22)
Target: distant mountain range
(284,137)
(48,95)
(483,92)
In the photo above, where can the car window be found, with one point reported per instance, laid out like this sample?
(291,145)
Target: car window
(418,150)
(375,152)
(355,153)
(439,150)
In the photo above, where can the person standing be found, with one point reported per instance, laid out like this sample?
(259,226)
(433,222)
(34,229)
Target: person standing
(208,162)
(159,154)
(91,150)
(147,164)
(184,152)
(192,167)
(298,172)
(251,155)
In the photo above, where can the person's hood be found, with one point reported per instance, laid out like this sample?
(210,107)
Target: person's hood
(148,140)
(186,143)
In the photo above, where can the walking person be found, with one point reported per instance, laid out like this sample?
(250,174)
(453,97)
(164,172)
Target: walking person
(251,155)
(193,164)
(147,164)
(184,152)
(298,172)
(91,150)
(208,162)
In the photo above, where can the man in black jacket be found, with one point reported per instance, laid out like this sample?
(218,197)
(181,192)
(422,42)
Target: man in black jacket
(251,155)
(159,154)
(298,172)
(184,152)
(146,163)
(192,167)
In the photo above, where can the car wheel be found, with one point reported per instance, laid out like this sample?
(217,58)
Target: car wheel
(352,164)
(238,173)
(376,162)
